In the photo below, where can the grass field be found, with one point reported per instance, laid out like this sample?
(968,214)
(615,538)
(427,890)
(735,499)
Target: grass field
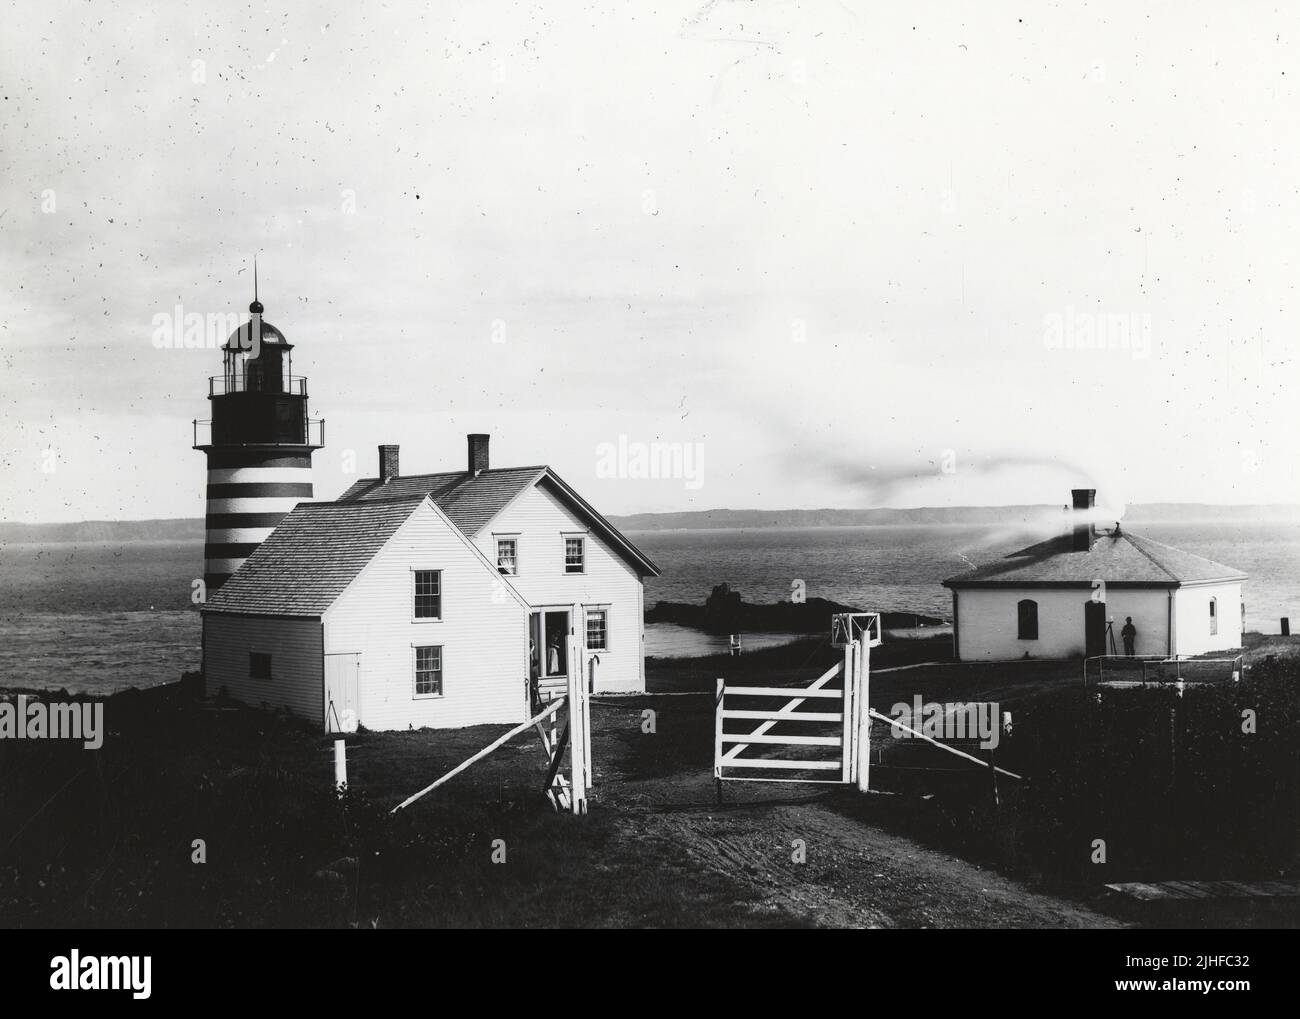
(108,838)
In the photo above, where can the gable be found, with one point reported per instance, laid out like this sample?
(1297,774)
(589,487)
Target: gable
(427,540)
(555,486)
(310,558)
(473,501)
(539,521)
(320,549)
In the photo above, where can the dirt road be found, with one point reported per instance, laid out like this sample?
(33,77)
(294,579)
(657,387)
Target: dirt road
(792,855)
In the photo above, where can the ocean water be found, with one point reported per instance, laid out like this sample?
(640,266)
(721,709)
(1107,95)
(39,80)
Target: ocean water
(903,568)
(103,617)
(98,617)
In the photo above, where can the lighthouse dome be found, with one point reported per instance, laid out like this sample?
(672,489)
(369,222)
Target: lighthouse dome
(238,340)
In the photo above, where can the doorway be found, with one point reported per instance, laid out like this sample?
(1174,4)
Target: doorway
(342,691)
(548,643)
(1094,628)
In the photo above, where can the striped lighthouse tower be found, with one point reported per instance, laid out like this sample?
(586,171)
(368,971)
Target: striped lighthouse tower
(258,443)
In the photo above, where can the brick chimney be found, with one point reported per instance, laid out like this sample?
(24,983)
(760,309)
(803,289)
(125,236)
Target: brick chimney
(1084,528)
(387,462)
(478,452)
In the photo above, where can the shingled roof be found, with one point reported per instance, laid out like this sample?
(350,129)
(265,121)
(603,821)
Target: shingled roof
(1117,558)
(470,500)
(320,547)
(311,557)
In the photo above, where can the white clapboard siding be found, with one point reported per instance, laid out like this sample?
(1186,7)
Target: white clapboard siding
(988,621)
(483,633)
(294,645)
(540,521)
(1192,618)
(640,647)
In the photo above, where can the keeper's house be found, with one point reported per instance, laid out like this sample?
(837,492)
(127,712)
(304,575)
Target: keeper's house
(430,600)
(1058,598)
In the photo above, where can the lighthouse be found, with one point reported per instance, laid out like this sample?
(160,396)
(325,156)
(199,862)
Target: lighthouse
(258,443)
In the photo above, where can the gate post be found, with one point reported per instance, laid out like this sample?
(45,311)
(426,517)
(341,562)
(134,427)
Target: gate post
(717,738)
(848,741)
(717,728)
(861,695)
(579,727)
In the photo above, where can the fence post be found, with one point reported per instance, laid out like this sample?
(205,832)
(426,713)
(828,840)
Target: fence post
(717,737)
(861,694)
(589,688)
(340,765)
(849,737)
(579,757)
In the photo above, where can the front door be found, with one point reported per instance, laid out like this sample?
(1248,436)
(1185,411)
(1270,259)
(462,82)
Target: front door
(342,691)
(1094,628)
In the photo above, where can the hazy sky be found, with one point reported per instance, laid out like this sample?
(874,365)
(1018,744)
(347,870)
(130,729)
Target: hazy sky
(843,253)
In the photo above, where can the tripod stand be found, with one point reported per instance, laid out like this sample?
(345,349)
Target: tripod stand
(1110,635)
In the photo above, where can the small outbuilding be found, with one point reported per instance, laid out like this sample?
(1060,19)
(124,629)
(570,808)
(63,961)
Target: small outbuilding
(1071,595)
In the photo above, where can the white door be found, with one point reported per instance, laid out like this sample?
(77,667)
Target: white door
(342,691)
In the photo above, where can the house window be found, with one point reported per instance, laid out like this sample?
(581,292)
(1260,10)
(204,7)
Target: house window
(428,594)
(597,629)
(1027,619)
(259,665)
(1214,616)
(428,671)
(573,555)
(508,556)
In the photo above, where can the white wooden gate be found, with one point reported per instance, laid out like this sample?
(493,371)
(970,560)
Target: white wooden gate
(790,740)
(845,729)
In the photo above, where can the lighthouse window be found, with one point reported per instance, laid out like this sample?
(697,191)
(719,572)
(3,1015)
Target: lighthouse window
(428,594)
(259,665)
(428,671)
(573,555)
(1214,615)
(507,556)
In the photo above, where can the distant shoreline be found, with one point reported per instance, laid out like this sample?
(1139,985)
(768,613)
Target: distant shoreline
(1030,516)
(192,528)
(734,615)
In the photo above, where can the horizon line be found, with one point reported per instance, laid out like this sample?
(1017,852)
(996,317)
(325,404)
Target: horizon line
(727,509)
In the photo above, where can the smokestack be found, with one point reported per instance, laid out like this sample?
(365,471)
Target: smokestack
(1084,530)
(387,462)
(478,452)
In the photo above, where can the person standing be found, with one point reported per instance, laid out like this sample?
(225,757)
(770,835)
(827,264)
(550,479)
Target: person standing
(1129,633)
(553,655)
